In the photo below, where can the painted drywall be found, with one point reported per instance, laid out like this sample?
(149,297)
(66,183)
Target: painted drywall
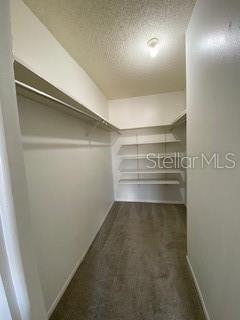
(213,95)
(4,307)
(70,189)
(146,111)
(36,48)
(18,265)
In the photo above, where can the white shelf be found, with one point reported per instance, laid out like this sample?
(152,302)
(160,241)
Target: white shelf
(149,181)
(151,171)
(151,156)
(32,86)
(151,142)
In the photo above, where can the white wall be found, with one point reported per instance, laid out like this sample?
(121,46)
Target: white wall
(146,111)
(4,307)
(213,96)
(36,48)
(70,189)
(17,261)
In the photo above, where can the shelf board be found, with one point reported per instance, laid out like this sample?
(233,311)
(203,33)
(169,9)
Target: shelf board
(149,181)
(155,142)
(163,126)
(151,156)
(33,87)
(150,171)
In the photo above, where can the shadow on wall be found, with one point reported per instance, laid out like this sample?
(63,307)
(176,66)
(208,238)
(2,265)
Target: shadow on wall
(45,127)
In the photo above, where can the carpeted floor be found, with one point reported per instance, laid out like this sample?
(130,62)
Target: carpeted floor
(135,269)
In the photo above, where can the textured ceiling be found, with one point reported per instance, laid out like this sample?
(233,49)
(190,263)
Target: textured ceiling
(108,39)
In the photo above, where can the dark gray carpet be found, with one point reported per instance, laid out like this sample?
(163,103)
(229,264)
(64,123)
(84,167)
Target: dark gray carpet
(135,270)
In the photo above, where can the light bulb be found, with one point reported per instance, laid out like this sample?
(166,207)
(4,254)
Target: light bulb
(153,52)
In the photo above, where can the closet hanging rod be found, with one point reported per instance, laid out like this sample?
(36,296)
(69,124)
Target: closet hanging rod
(49,97)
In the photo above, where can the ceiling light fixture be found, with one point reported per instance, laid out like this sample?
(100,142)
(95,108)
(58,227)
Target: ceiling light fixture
(153,47)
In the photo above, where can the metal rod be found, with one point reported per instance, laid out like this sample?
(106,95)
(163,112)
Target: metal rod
(47,96)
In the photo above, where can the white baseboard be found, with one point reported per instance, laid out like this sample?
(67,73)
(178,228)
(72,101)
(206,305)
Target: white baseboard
(198,289)
(64,287)
(151,201)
